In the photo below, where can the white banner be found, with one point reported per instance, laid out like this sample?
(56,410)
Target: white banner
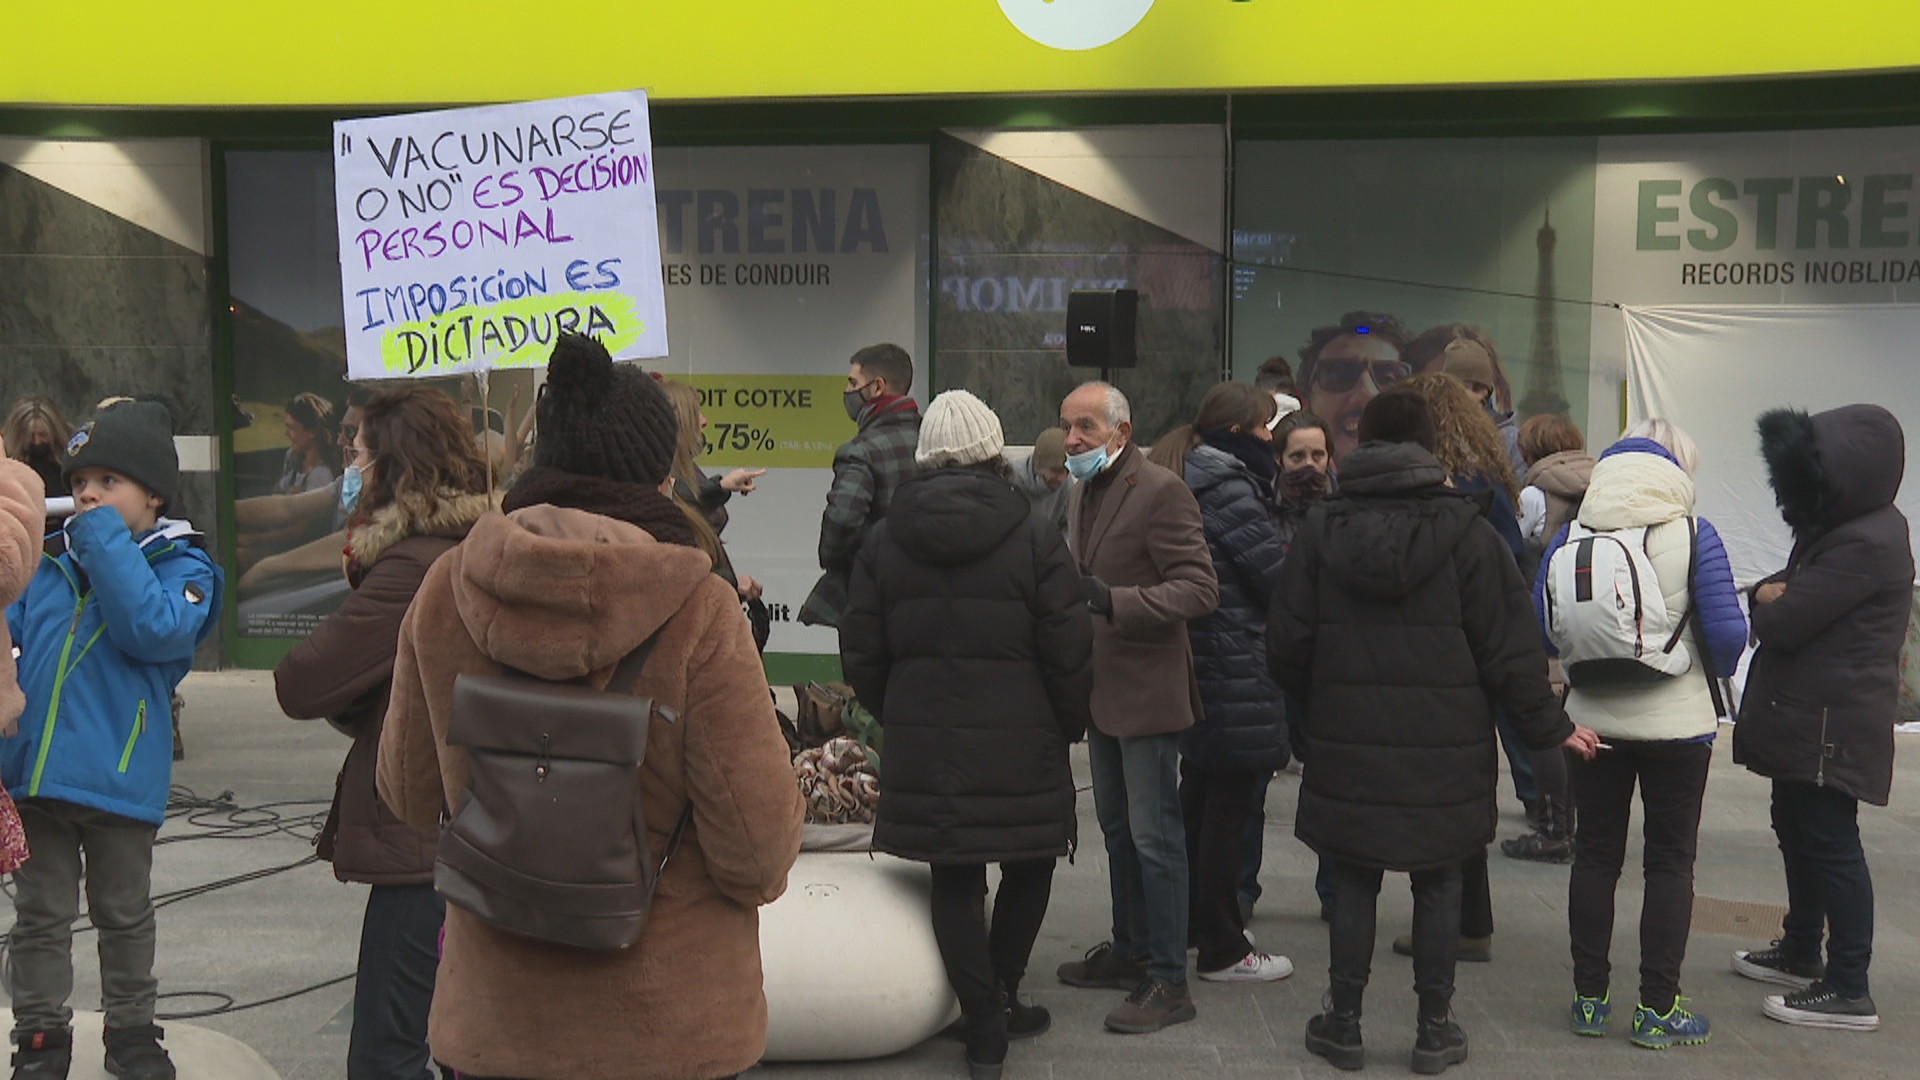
(471,238)
(1780,217)
(1714,370)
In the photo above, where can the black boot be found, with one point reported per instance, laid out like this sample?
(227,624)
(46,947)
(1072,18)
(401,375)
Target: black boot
(986,1045)
(1023,1021)
(1441,1044)
(1551,840)
(1335,1035)
(43,1055)
(135,1053)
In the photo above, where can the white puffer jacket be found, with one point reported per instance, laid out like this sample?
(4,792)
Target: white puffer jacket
(1628,491)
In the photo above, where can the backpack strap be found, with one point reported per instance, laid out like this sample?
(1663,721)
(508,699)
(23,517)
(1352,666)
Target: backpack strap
(1693,567)
(631,665)
(673,844)
(624,677)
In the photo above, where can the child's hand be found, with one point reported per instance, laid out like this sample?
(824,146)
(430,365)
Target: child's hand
(1768,593)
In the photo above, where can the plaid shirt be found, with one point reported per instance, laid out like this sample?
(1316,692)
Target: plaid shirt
(866,470)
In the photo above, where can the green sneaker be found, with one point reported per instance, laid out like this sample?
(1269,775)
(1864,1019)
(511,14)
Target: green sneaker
(1590,1014)
(1677,1027)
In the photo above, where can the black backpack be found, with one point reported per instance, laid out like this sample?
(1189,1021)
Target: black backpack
(548,839)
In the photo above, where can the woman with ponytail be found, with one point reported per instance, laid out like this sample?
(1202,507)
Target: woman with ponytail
(1226,456)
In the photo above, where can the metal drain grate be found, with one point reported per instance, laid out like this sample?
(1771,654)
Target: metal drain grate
(1737,918)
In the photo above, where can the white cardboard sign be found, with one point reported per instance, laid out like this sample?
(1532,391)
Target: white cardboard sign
(471,238)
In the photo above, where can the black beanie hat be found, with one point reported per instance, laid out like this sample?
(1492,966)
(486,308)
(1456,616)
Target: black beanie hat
(134,439)
(1398,416)
(599,418)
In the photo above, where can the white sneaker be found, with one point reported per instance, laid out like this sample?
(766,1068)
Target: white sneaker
(1256,966)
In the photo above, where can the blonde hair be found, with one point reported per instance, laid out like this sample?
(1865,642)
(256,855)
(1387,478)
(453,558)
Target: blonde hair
(686,475)
(28,411)
(1670,435)
(1465,438)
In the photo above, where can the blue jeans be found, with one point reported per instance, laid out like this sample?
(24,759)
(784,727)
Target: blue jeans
(1828,886)
(1136,796)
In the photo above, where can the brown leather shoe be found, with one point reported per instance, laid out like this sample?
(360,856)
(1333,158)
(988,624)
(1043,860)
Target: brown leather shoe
(1153,1005)
(1102,969)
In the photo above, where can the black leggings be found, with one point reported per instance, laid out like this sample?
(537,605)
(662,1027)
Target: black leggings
(979,960)
(1672,778)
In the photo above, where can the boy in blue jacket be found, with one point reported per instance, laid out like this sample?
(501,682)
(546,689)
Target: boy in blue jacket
(105,631)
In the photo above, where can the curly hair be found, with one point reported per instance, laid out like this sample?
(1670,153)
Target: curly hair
(1467,442)
(423,450)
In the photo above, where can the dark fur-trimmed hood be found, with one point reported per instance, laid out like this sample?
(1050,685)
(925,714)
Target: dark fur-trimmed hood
(1832,467)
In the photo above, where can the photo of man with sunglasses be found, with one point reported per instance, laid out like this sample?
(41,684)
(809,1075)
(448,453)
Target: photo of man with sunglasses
(1343,367)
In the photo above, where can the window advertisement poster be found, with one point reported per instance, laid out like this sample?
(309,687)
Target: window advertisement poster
(779,264)
(1357,261)
(292,413)
(776,264)
(289,391)
(1754,271)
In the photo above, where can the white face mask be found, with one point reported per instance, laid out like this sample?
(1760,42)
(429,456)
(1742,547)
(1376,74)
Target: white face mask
(1087,464)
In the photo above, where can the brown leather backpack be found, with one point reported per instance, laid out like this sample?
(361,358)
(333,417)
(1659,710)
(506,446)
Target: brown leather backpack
(548,839)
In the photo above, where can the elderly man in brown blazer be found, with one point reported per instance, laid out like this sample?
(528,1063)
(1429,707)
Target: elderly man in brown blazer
(1134,529)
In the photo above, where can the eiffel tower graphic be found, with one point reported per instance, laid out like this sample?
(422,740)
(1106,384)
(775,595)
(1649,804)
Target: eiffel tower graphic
(1545,393)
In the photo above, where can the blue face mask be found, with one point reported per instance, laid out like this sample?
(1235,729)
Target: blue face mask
(1087,464)
(350,481)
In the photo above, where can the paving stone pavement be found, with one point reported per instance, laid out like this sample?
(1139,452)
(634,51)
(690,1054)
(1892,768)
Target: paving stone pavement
(298,927)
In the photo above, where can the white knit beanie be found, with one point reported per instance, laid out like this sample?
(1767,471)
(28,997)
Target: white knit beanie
(958,429)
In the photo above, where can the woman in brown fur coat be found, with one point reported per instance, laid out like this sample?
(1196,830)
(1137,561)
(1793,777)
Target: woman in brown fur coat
(591,559)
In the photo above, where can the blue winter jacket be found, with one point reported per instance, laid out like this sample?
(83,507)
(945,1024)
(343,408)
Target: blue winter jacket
(106,631)
(1243,725)
(1718,620)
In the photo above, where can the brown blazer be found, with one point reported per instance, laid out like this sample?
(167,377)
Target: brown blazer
(1145,542)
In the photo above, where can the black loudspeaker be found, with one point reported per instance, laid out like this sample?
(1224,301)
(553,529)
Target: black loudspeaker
(1100,327)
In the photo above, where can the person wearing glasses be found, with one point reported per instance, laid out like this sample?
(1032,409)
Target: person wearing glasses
(1345,366)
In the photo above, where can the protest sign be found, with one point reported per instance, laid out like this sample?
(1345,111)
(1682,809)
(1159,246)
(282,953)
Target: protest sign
(471,238)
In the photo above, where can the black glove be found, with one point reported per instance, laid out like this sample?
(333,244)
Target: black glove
(1099,596)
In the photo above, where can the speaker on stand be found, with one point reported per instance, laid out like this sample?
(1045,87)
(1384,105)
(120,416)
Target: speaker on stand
(1100,329)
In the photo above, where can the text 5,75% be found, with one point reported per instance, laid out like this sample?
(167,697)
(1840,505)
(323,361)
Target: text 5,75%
(739,438)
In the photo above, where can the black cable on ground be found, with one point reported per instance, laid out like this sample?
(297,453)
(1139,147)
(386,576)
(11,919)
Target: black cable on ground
(222,818)
(230,1007)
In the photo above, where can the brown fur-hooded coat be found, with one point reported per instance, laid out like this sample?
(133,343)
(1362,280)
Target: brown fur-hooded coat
(343,673)
(561,594)
(23,507)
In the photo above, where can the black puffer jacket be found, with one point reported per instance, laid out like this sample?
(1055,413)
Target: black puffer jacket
(1244,725)
(967,634)
(1401,622)
(1824,689)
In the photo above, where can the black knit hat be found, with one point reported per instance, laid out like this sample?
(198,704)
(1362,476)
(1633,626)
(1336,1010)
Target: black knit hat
(599,418)
(134,439)
(1398,416)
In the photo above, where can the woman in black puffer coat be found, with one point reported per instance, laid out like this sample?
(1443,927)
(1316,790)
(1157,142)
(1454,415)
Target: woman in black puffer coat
(1227,459)
(1823,695)
(967,634)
